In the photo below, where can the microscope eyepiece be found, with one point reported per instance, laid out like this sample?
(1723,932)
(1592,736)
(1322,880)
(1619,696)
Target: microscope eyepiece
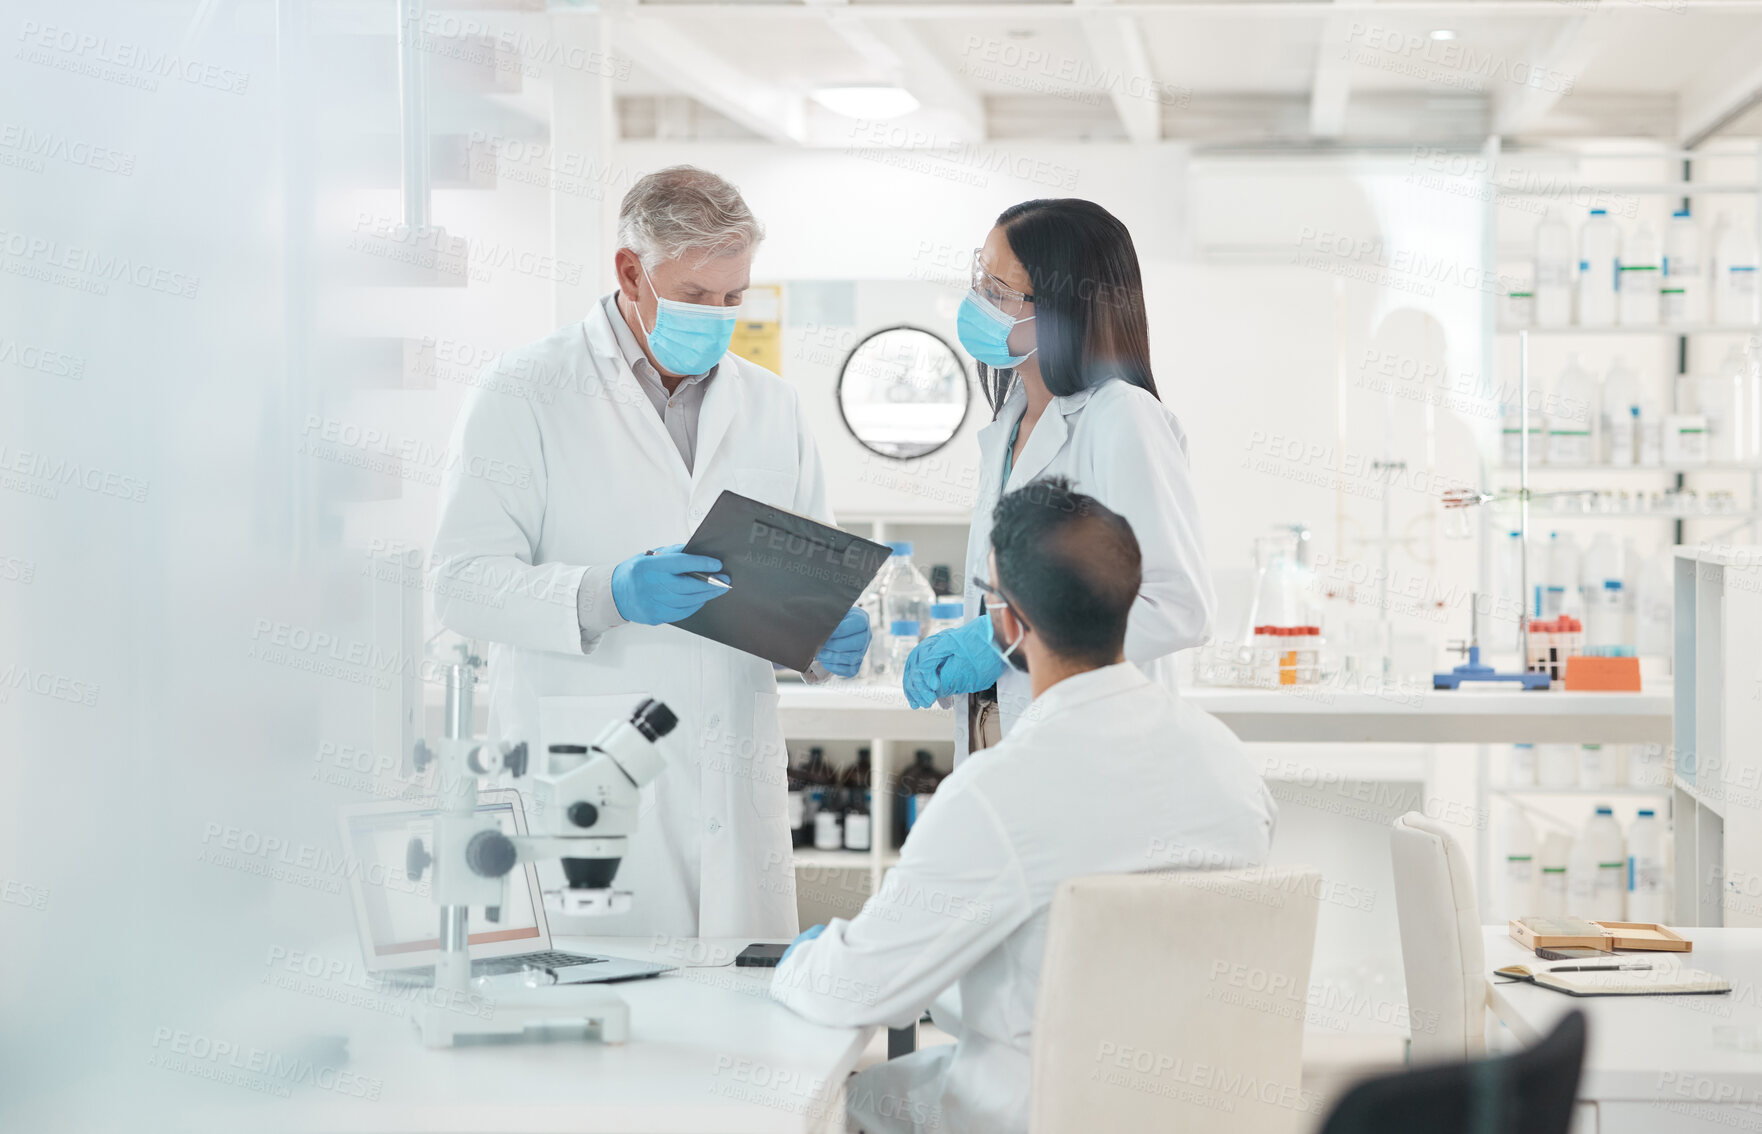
(653,719)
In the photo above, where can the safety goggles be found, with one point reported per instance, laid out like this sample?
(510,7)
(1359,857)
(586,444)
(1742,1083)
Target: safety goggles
(993,593)
(1006,298)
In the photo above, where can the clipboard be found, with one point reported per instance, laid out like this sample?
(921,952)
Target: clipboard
(793,579)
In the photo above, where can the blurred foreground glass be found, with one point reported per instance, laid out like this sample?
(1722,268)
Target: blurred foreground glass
(903,393)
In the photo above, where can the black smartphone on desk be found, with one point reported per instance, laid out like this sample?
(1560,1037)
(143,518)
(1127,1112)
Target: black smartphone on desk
(760,956)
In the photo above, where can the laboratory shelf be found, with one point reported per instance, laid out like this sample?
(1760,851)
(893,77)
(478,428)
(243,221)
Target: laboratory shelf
(1630,329)
(1648,792)
(1709,466)
(844,710)
(1418,715)
(1665,188)
(1709,800)
(1537,515)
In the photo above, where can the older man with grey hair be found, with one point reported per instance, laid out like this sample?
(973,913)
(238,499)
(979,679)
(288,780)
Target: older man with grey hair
(580,465)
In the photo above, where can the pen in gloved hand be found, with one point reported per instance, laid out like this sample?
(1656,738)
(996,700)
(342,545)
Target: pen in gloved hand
(701,576)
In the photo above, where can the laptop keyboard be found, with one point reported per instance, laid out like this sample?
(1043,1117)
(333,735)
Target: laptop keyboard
(423,976)
(496,966)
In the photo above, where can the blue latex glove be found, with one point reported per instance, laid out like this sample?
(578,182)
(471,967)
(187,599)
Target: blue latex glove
(842,654)
(807,934)
(961,660)
(653,589)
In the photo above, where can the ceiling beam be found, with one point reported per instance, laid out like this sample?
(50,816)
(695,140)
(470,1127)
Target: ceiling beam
(1038,11)
(1721,92)
(1520,108)
(769,110)
(1117,43)
(895,48)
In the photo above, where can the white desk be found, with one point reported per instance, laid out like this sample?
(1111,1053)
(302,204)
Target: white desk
(1653,1063)
(708,1051)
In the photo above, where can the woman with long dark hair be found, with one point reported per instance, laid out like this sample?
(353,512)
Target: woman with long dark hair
(1057,323)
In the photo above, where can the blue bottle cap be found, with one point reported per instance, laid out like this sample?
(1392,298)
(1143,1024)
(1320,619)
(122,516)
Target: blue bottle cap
(1605,810)
(900,547)
(1647,812)
(1599,212)
(946,609)
(1678,213)
(905,627)
(1612,584)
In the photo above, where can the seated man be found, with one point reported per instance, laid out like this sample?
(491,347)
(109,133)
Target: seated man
(1103,773)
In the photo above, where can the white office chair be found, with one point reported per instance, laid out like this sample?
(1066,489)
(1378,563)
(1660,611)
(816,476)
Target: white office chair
(1441,945)
(1175,1002)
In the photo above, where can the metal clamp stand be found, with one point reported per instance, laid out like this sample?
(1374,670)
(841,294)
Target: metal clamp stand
(464,844)
(1472,669)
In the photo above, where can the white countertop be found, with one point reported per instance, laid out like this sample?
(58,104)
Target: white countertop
(1397,714)
(1646,1048)
(708,1050)
(1479,714)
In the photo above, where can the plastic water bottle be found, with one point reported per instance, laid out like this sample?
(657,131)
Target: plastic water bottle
(1655,606)
(1720,399)
(1570,412)
(1557,767)
(1595,766)
(1520,867)
(1735,291)
(1685,274)
(1553,860)
(1599,253)
(903,636)
(1619,399)
(1521,771)
(945,616)
(1511,434)
(869,602)
(1562,595)
(1649,428)
(905,593)
(1646,766)
(1599,855)
(1602,561)
(1638,279)
(1556,268)
(1512,604)
(1647,886)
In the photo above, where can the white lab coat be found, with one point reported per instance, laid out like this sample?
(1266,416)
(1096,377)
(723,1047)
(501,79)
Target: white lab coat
(1106,773)
(1119,444)
(561,470)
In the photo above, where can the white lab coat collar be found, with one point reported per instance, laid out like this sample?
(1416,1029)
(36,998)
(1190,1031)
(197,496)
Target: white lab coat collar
(1081,689)
(720,399)
(1044,443)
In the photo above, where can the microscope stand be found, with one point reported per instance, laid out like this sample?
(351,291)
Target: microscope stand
(510,1015)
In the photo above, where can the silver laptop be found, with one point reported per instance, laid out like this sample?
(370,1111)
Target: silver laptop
(398,924)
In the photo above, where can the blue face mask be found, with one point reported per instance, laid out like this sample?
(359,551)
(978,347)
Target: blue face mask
(984,331)
(688,338)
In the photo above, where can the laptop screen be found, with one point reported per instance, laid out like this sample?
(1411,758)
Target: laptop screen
(399,918)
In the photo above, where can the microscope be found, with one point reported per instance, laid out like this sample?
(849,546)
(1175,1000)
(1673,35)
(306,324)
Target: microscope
(586,800)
